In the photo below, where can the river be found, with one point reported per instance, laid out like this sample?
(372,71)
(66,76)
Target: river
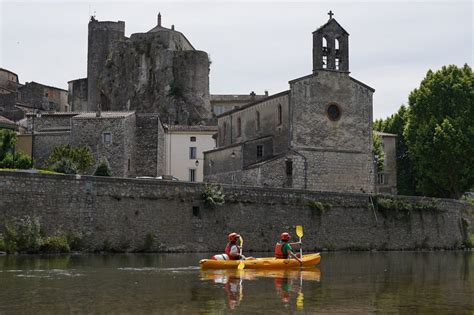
(344,282)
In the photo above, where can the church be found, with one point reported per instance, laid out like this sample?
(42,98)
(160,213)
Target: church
(317,135)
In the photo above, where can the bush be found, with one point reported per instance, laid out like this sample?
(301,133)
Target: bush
(103,169)
(55,245)
(212,195)
(28,234)
(23,161)
(80,157)
(319,206)
(76,242)
(8,161)
(9,239)
(65,166)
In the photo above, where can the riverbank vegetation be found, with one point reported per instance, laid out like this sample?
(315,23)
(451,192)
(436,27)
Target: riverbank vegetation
(435,143)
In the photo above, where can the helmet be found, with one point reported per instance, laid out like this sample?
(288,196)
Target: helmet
(285,236)
(233,237)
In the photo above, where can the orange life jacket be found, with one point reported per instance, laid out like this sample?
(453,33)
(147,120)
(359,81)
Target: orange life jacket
(227,251)
(279,251)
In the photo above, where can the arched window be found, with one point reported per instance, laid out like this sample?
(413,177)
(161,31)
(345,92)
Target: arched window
(280,115)
(257,120)
(239,127)
(336,44)
(325,42)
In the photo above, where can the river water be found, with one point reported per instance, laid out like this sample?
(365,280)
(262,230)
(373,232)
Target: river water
(344,282)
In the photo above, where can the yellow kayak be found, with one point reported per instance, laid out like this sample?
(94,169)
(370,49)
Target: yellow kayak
(309,260)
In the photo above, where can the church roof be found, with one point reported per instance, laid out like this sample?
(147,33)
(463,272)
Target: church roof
(6,123)
(332,20)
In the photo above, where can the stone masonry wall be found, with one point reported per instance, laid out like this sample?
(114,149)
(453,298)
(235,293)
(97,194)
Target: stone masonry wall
(121,213)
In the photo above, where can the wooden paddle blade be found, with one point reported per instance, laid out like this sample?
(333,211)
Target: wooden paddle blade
(299,231)
(241,265)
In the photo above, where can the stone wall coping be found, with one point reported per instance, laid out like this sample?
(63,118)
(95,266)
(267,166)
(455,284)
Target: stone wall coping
(243,190)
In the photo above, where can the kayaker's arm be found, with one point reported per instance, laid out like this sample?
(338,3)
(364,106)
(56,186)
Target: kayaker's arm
(294,256)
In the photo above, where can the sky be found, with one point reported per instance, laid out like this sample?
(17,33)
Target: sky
(253,45)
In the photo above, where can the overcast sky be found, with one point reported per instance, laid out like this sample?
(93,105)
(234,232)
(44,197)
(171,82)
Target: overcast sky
(254,46)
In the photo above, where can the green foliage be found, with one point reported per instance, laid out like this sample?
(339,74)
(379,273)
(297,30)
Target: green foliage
(55,245)
(8,157)
(2,243)
(320,207)
(28,234)
(440,132)
(7,142)
(23,161)
(81,158)
(399,208)
(213,195)
(377,150)
(8,161)
(103,169)
(64,166)
(395,124)
(76,241)
(176,90)
(149,243)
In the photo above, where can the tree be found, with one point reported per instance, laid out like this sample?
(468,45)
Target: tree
(395,124)
(440,132)
(379,154)
(80,159)
(103,169)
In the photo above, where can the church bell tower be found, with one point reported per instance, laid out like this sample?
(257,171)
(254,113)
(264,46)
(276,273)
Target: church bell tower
(331,47)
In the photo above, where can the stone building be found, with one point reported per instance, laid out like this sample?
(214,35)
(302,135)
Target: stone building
(154,72)
(44,97)
(316,136)
(221,103)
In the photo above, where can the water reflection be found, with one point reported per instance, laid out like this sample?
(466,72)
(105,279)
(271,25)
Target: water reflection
(288,284)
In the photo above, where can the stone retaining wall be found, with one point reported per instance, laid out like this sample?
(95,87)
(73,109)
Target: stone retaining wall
(122,213)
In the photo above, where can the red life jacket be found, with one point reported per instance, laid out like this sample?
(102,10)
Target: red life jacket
(279,251)
(227,251)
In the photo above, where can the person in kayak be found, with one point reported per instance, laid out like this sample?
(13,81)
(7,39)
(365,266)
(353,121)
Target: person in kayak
(232,250)
(283,249)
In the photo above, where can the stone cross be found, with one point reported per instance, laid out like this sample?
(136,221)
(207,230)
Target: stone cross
(330,14)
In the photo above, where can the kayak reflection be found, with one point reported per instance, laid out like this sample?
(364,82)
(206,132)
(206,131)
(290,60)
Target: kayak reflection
(288,283)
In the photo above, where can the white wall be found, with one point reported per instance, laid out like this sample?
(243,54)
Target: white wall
(177,150)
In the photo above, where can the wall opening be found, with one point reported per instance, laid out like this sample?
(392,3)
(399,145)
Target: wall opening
(196,211)
(239,127)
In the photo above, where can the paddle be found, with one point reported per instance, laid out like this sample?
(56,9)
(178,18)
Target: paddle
(299,232)
(241,263)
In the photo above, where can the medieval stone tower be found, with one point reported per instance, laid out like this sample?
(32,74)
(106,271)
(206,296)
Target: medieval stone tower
(101,38)
(158,72)
(331,47)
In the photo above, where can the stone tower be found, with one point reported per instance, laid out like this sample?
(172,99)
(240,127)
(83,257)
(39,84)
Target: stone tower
(101,38)
(331,47)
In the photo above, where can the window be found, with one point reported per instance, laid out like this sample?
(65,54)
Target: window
(257,120)
(192,139)
(333,112)
(239,127)
(107,138)
(336,63)
(336,44)
(280,115)
(128,167)
(192,174)
(325,42)
(192,153)
(289,167)
(325,62)
(259,151)
(381,178)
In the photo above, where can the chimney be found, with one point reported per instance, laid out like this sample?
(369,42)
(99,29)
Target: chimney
(266,93)
(172,27)
(159,19)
